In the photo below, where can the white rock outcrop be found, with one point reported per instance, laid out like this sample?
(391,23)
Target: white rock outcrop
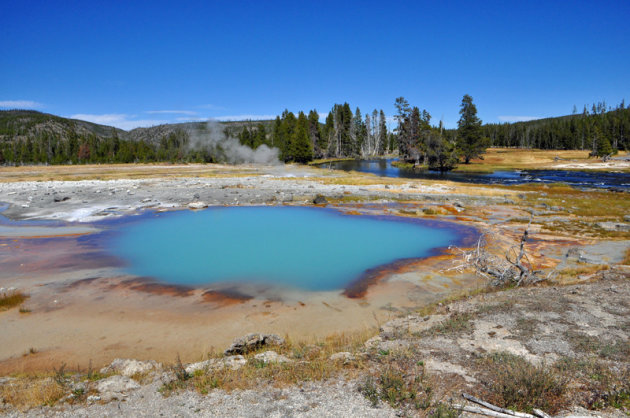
(130,367)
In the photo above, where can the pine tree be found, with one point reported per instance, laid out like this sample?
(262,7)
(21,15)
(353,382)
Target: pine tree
(470,140)
(382,132)
(441,154)
(315,134)
(302,146)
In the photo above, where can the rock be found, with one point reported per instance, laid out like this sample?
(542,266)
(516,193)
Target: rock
(230,362)
(93,398)
(272,357)
(129,367)
(78,387)
(252,342)
(343,356)
(373,342)
(61,199)
(169,377)
(235,362)
(197,205)
(614,226)
(457,204)
(116,384)
(626,218)
(200,365)
(557,208)
(320,200)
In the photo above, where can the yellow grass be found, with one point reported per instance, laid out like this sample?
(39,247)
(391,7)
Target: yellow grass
(498,159)
(32,391)
(119,171)
(310,362)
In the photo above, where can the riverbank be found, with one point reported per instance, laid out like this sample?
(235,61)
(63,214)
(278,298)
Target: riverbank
(508,159)
(86,311)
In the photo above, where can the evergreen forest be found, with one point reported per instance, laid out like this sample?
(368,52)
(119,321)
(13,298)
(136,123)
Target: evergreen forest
(29,137)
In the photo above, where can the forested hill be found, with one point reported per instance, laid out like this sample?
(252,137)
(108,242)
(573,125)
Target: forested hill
(576,131)
(22,124)
(28,136)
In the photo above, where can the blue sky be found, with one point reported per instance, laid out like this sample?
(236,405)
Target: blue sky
(143,63)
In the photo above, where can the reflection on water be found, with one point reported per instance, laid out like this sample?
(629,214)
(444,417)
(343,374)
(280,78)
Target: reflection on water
(383,167)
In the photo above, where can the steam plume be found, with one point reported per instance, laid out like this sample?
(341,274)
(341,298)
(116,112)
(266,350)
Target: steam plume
(228,149)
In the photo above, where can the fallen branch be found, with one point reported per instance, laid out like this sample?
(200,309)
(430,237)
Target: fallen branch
(481,411)
(496,408)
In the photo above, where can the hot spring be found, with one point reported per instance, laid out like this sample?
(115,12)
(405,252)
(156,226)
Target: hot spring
(295,247)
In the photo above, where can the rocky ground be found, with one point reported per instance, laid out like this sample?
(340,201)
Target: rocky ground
(568,345)
(562,346)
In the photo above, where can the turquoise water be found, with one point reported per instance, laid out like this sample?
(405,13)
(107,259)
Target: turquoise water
(308,248)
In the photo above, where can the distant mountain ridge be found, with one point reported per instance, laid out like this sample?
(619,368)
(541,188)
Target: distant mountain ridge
(32,137)
(22,124)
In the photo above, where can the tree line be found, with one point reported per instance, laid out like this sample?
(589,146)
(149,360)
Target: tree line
(601,130)
(344,134)
(302,138)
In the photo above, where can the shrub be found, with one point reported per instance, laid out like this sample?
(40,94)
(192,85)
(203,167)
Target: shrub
(11,298)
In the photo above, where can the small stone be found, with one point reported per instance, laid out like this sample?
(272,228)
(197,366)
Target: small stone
(614,226)
(116,384)
(129,367)
(93,398)
(197,205)
(169,377)
(342,356)
(230,362)
(320,200)
(272,357)
(252,342)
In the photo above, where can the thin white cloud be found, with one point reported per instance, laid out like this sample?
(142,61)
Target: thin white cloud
(517,118)
(171,112)
(119,120)
(185,119)
(211,106)
(20,104)
(243,117)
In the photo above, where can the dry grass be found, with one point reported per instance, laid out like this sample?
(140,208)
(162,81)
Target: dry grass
(512,382)
(11,298)
(499,159)
(32,391)
(594,203)
(310,362)
(120,171)
(329,160)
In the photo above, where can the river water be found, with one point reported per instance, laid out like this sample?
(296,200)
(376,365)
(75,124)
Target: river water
(581,179)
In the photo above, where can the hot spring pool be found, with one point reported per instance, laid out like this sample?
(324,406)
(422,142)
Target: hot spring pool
(306,248)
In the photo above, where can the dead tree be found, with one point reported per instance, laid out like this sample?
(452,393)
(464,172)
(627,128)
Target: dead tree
(515,268)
